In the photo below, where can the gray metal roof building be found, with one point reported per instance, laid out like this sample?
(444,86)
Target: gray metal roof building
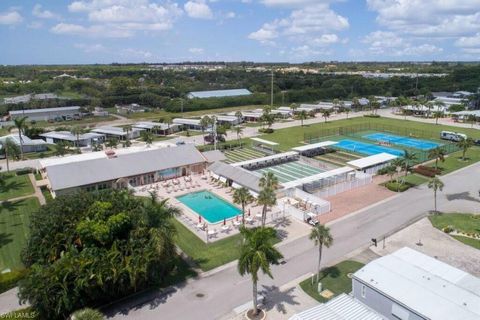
(219,93)
(91,171)
(45,114)
(238,175)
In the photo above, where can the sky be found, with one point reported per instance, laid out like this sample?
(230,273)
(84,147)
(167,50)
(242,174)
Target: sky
(107,31)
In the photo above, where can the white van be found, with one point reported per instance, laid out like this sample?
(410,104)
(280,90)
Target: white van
(452,136)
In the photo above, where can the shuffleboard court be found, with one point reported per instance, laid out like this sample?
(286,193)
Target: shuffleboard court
(291,171)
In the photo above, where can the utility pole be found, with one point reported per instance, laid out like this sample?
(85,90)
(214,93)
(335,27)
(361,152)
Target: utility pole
(181,104)
(214,128)
(271,93)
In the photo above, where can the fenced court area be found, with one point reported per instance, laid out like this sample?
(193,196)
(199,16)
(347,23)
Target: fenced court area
(291,171)
(373,138)
(243,154)
(414,143)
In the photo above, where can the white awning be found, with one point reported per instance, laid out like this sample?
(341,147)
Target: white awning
(371,160)
(215,176)
(287,155)
(313,146)
(236,186)
(223,179)
(317,177)
(270,143)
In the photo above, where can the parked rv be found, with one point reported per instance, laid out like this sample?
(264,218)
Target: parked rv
(452,136)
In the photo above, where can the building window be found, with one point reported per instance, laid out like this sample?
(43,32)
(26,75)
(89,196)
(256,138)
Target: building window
(364,291)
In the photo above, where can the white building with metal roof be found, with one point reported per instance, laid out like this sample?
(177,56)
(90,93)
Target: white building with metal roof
(373,163)
(409,285)
(104,170)
(46,114)
(118,132)
(218,93)
(83,140)
(29,145)
(163,129)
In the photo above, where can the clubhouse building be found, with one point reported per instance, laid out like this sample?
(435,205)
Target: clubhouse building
(121,168)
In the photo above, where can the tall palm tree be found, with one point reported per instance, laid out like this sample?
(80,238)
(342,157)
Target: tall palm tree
(302,115)
(321,236)
(77,131)
(266,198)
(268,180)
(294,107)
(257,253)
(239,116)
(238,131)
(168,121)
(437,115)
(147,137)
(19,124)
(435,184)
(6,147)
(326,114)
(205,122)
(438,154)
(408,159)
(242,197)
(465,144)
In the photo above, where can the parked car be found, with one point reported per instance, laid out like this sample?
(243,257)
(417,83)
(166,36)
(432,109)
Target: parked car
(477,142)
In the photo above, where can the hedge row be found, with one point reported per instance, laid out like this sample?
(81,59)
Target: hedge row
(426,171)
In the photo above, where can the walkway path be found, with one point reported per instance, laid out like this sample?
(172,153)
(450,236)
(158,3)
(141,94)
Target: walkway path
(225,289)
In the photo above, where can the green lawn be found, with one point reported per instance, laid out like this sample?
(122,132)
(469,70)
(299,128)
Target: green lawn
(14,230)
(454,161)
(292,137)
(333,278)
(207,256)
(467,223)
(15,186)
(415,179)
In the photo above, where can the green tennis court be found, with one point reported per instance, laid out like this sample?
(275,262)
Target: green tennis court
(291,171)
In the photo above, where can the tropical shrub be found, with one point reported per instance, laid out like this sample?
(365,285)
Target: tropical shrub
(88,249)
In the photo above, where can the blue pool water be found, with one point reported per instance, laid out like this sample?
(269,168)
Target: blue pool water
(209,206)
(365,148)
(403,141)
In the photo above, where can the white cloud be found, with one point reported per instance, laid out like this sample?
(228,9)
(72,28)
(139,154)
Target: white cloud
(387,43)
(428,18)
(90,48)
(196,50)
(293,3)
(38,12)
(98,31)
(10,18)
(123,18)
(198,9)
(473,41)
(311,24)
(136,54)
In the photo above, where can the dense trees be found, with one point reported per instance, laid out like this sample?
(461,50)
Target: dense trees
(90,248)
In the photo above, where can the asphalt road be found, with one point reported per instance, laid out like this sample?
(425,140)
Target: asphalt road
(225,290)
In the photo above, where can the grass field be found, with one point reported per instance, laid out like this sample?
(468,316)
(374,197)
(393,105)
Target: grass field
(14,230)
(467,223)
(333,278)
(207,256)
(293,137)
(15,186)
(454,161)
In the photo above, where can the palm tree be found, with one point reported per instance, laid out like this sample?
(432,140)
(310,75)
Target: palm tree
(326,114)
(147,137)
(61,148)
(437,115)
(20,124)
(205,122)
(111,143)
(435,184)
(242,197)
(266,198)
(374,104)
(238,131)
(465,144)
(239,116)
(408,159)
(168,120)
(294,107)
(257,253)
(302,115)
(77,131)
(321,236)
(268,180)
(472,119)
(437,154)
(7,145)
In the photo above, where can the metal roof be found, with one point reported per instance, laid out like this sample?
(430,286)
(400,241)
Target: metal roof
(371,160)
(270,143)
(219,93)
(80,173)
(238,175)
(25,140)
(342,307)
(214,155)
(33,111)
(195,122)
(431,288)
(285,155)
(68,136)
(117,131)
(150,125)
(314,146)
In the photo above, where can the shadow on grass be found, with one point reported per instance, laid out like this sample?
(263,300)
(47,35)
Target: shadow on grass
(11,186)
(10,206)
(332,272)
(5,238)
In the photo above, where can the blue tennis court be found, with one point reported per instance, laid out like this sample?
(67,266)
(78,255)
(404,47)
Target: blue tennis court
(365,148)
(403,141)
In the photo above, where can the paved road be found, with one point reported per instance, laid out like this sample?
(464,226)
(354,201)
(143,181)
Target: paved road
(226,290)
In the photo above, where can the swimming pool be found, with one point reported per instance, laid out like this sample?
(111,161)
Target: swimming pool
(366,148)
(403,141)
(211,207)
